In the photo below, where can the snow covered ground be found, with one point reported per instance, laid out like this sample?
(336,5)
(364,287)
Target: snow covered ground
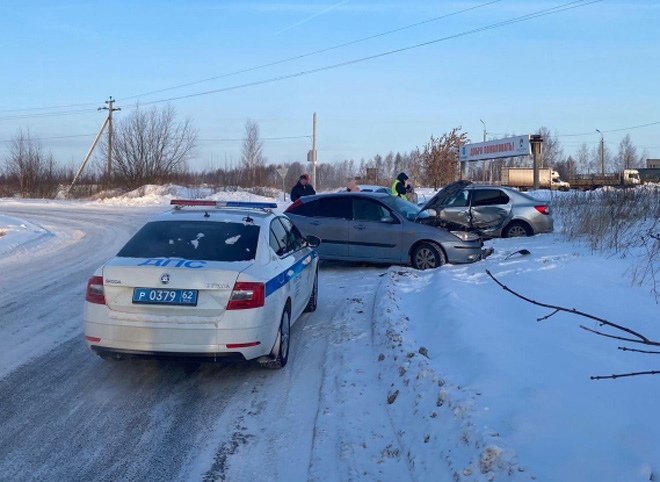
(423,375)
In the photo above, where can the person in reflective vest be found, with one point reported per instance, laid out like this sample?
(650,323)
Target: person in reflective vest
(399,186)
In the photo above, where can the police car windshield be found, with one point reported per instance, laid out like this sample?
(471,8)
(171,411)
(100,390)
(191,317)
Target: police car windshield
(194,240)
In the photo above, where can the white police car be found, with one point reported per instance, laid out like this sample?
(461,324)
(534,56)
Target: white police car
(208,279)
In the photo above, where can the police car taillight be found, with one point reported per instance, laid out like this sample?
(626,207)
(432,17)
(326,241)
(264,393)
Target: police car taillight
(247,295)
(94,292)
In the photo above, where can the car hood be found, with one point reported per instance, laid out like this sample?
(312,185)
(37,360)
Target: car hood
(440,199)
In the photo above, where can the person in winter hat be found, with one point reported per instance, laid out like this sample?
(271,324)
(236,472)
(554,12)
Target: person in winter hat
(399,186)
(302,188)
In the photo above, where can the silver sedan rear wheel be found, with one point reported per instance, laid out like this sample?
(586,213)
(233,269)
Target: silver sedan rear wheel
(517,230)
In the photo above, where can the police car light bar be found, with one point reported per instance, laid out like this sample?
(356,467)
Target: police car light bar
(179,203)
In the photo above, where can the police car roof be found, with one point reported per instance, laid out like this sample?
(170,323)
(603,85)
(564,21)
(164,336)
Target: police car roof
(226,211)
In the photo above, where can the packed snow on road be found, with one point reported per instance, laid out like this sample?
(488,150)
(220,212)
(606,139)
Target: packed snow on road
(438,375)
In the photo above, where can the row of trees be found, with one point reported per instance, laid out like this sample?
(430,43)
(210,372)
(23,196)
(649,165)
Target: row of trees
(588,160)
(150,146)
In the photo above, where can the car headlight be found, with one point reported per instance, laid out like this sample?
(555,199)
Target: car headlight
(465,235)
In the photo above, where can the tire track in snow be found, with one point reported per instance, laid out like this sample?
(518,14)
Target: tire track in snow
(356,440)
(69,415)
(42,290)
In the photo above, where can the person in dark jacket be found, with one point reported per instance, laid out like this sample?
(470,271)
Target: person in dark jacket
(399,186)
(302,188)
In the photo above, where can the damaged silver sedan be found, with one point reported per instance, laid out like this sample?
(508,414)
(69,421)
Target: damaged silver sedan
(492,211)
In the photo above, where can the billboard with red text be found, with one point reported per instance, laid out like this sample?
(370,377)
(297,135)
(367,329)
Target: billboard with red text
(508,147)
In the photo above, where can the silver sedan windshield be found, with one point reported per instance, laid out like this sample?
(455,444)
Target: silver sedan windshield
(405,208)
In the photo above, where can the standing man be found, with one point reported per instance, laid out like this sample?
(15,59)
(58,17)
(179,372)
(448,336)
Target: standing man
(399,186)
(302,188)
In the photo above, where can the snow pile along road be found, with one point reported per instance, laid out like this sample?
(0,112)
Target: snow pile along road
(433,409)
(20,234)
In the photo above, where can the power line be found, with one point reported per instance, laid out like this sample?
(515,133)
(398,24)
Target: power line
(52,137)
(251,69)
(242,139)
(208,139)
(533,15)
(611,130)
(540,13)
(591,133)
(69,106)
(525,17)
(316,52)
(47,114)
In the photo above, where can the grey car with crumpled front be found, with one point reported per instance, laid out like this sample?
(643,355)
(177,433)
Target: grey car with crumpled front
(381,228)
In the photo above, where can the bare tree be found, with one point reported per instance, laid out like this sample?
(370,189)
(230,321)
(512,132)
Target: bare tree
(150,146)
(440,157)
(412,165)
(626,157)
(29,168)
(388,164)
(252,157)
(552,150)
(597,161)
(398,164)
(616,331)
(583,159)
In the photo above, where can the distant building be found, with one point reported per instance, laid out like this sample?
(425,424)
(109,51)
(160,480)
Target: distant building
(653,163)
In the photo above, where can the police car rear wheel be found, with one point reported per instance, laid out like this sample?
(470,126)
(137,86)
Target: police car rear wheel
(280,353)
(313,298)
(111,356)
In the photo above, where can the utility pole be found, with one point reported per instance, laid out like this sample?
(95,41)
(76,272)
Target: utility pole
(314,152)
(107,122)
(89,154)
(110,110)
(483,165)
(536,141)
(602,153)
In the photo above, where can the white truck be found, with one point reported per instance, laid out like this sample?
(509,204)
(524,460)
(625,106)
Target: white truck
(523,178)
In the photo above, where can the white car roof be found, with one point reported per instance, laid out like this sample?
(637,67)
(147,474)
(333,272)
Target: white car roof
(230,211)
(231,215)
(372,187)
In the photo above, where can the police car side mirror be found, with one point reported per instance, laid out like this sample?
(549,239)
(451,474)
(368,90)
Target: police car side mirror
(387,219)
(313,241)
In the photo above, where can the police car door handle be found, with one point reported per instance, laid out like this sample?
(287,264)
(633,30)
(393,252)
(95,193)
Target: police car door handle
(359,227)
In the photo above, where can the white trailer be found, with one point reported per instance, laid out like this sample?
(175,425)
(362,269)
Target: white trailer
(523,178)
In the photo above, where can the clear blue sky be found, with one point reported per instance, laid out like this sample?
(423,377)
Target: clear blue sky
(592,67)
